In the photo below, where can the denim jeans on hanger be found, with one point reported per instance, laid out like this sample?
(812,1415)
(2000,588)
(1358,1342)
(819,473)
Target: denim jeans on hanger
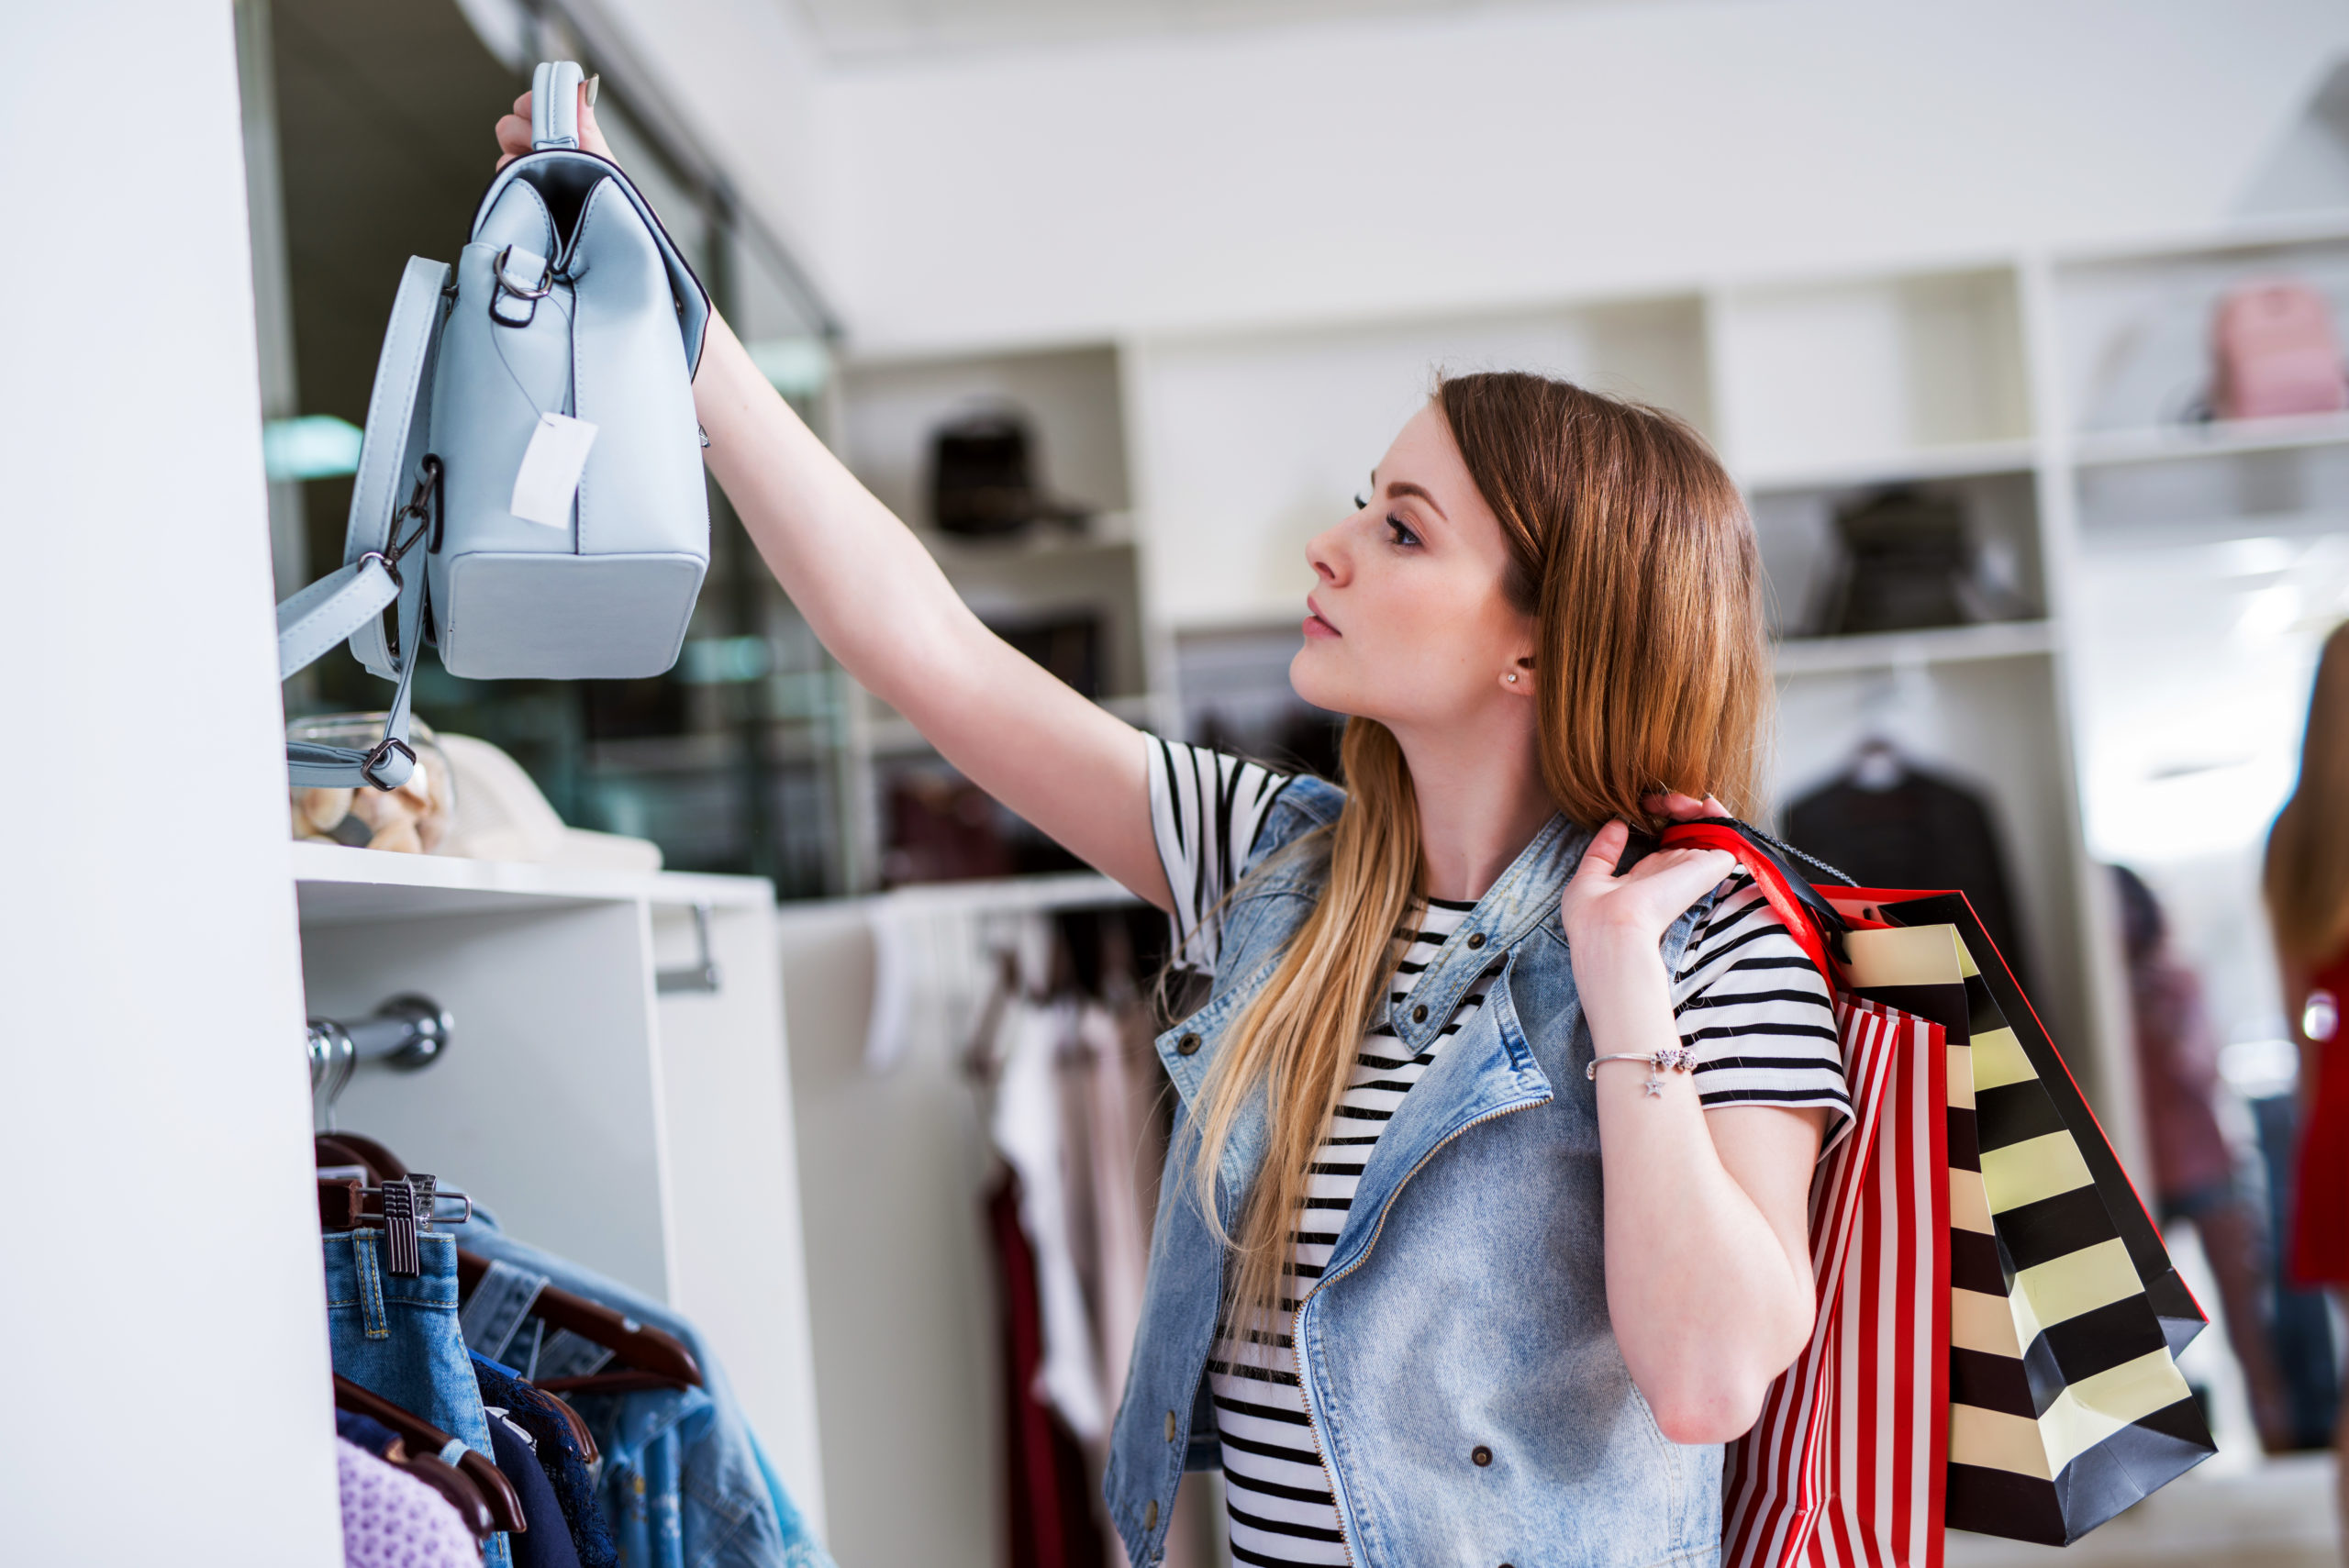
(684,1482)
(397,1336)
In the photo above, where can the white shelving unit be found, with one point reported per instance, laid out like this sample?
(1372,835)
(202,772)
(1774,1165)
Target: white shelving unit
(646,1135)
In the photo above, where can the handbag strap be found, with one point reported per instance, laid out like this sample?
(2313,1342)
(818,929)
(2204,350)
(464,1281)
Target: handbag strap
(554,105)
(336,606)
(330,610)
(1816,925)
(316,619)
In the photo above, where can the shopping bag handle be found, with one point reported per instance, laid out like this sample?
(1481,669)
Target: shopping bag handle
(1816,925)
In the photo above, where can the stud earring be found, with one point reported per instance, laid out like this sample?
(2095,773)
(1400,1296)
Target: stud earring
(1512,677)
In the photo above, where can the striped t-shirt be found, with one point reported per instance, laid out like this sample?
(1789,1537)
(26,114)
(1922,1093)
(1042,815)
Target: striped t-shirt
(1755,1010)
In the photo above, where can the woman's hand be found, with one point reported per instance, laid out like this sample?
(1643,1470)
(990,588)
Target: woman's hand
(1601,908)
(514,130)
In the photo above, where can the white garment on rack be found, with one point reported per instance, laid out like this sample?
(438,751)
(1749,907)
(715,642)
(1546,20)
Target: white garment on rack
(931,974)
(1027,1132)
(1121,1228)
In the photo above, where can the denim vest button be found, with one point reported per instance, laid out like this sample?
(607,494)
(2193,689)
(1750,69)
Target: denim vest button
(1476,940)
(1170,1425)
(1187,1046)
(1419,1014)
(1481,1454)
(1150,1518)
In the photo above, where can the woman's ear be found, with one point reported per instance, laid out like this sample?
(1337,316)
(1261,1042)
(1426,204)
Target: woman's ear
(1518,681)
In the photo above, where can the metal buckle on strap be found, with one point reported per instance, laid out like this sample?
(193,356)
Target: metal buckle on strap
(382,754)
(507,288)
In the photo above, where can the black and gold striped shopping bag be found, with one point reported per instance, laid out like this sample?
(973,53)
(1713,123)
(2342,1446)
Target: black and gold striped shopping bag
(2065,1314)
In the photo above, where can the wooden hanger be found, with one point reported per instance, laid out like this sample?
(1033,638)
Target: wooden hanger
(453,1484)
(655,1358)
(423,1438)
(651,1353)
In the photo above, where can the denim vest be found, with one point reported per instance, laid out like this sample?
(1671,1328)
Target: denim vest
(1464,1309)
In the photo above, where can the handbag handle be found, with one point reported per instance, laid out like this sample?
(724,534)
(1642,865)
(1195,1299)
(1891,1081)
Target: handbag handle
(554,105)
(1817,926)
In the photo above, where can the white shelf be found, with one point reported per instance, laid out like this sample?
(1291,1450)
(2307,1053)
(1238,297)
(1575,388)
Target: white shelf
(2251,234)
(979,896)
(2224,437)
(1101,534)
(1891,651)
(1961,461)
(338,885)
(891,735)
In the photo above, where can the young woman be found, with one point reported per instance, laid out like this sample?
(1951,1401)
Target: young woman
(1455,1260)
(2307,885)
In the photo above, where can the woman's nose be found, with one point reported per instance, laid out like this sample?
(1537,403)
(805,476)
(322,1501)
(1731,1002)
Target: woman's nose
(1326,552)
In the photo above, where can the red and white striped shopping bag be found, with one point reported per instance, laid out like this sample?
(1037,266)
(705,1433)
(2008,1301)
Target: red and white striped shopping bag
(1846,1466)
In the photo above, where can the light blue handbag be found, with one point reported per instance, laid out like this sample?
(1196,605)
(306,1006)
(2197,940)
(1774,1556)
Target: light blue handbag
(570,301)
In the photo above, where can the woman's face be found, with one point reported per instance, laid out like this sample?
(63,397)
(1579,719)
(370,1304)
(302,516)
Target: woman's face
(1409,624)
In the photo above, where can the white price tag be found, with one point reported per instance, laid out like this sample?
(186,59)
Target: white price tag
(550,470)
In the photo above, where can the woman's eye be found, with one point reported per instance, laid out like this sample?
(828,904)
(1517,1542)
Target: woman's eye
(1403,535)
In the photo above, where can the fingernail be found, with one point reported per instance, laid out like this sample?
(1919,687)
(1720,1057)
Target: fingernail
(593,83)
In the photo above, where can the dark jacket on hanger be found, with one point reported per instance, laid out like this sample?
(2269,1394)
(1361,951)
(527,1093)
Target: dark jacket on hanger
(1922,832)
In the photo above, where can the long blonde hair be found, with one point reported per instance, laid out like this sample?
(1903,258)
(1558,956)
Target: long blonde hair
(1629,547)
(2307,875)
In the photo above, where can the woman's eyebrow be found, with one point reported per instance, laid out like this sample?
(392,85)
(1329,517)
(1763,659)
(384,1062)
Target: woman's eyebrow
(1405,487)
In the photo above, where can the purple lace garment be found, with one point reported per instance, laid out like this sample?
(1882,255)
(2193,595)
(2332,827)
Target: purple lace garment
(393,1520)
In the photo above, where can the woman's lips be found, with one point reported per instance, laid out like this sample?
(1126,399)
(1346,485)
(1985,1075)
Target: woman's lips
(1315,626)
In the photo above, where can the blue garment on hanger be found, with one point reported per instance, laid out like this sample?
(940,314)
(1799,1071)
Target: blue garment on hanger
(572,1478)
(684,1481)
(397,1335)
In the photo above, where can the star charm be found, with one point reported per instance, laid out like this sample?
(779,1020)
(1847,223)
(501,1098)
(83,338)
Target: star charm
(1656,1086)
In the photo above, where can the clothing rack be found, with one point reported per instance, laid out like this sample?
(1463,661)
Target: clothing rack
(410,1033)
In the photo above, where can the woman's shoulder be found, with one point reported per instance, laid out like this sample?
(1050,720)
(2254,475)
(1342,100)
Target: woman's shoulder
(1234,809)
(1307,802)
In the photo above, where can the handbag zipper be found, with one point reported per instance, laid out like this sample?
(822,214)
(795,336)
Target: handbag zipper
(1296,1326)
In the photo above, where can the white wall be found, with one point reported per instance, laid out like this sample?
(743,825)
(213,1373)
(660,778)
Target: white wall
(744,74)
(1410,166)
(161,1227)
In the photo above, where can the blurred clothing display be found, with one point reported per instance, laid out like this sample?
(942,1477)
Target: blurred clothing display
(1049,1512)
(2177,1060)
(2319,1248)
(2194,1167)
(984,479)
(1887,823)
(1909,561)
(2300,1325)
(1063,1054)
(942,827)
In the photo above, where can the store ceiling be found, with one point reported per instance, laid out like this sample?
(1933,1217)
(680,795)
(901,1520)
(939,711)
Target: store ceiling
(876,29)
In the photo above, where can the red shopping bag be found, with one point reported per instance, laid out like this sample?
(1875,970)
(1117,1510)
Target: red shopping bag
(1844,1465)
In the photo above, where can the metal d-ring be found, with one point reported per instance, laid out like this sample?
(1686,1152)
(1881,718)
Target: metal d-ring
(546,279)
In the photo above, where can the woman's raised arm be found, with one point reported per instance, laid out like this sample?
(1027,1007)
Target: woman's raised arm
(881,605)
